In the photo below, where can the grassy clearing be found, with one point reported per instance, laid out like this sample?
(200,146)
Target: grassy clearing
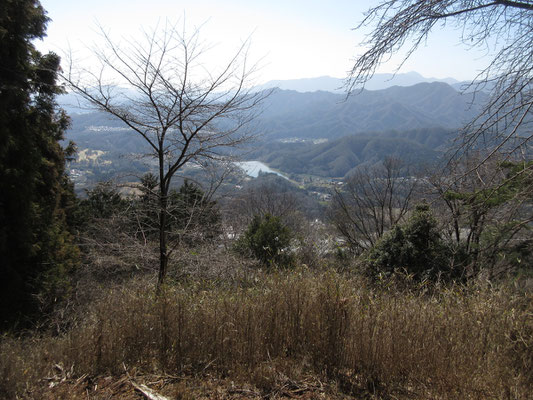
(456,343)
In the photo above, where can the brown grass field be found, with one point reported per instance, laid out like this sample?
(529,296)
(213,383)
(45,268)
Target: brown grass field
(292,334)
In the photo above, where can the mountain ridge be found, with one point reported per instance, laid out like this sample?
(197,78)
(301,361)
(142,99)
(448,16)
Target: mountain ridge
(408,121)
(340,157)
(322,114)
(325,115)
(327,83)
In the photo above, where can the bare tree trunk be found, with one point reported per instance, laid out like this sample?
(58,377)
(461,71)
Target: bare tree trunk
(163,255)
(163,210)
(371,202)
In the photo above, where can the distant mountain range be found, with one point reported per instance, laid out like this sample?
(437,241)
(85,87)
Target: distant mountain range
(336,85)
(74,105)
(291,114)
(415,122)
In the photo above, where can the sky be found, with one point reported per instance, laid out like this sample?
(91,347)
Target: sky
(289,39)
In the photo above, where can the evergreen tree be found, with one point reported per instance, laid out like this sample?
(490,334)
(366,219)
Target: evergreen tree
(193,215)
(36,249)
(102,202)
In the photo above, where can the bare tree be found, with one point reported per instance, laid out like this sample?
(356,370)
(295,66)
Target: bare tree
(192,209)
(161,89)
(371,203)
(504,123)
(265,199)
(484,209)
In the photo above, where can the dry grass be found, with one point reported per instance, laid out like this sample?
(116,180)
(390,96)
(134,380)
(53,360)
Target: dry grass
(455,344)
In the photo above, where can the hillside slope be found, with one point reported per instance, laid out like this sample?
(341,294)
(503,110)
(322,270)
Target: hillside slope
(339,157)
(290,114)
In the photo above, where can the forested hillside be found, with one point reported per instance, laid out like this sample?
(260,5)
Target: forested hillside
(415,122)
(340,157)
(289,114)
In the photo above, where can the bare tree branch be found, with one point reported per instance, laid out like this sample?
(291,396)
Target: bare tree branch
(371,202)
(504,124)
(159,88)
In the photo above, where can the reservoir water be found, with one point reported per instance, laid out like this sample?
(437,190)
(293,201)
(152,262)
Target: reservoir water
(252,168)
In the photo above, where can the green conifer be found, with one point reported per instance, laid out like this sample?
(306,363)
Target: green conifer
(36,250)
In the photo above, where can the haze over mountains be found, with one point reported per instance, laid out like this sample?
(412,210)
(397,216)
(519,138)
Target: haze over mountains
(319,132)
(313,115)
(336,85)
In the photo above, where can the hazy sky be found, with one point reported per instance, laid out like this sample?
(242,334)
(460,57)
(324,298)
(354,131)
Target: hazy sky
(292,38)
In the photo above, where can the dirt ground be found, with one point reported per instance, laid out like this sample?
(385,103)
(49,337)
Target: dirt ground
(171,388)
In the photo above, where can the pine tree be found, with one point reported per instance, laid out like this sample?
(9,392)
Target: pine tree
(36,250)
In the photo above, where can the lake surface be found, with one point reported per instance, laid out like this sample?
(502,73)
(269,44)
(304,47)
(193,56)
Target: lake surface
(252,168)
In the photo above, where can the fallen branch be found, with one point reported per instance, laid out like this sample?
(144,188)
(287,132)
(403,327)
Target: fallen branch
(148,393)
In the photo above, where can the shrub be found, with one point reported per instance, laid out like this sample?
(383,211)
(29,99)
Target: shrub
(102,202)
(415,247)
(268,240)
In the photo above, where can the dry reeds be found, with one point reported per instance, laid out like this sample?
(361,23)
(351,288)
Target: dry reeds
(458,343)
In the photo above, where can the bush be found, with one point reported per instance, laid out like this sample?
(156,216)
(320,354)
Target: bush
(415,248)
(268,240)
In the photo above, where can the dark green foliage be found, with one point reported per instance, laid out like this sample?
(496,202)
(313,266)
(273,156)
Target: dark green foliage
(102,202)
(268,240)
(518,178)
(36,249)
(193,215)
(519,174)
(415,247)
